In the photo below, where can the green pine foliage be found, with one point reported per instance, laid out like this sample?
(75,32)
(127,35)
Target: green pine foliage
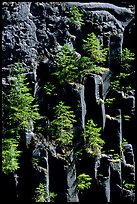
(129,186)
(61,128)
(40,193)
(89,66)
(109,102)
(50,89)
(21,104)
(52,196)
(71,68)
(19,109)
(120,81)
(76,18)
(83,182)
(10,155)
(92,134)
(127,57)
(67,63)
(94,50)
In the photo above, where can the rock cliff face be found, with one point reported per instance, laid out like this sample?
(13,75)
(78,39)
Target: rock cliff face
(32,32)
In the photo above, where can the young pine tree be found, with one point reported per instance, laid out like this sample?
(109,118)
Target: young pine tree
(18,111)
(92,134)
(94,50)
(61,128)
(67,64)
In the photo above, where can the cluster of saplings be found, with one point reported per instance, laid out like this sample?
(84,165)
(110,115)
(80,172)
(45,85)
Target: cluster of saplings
(20,107)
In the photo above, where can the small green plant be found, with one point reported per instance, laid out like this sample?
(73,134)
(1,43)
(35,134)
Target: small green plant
(129,186)
(94,50)
(126,60)
(52,196)
(119,83)
(76,18)
(123,144)
(67,62)
(50,89)
(40,193)
(109,102)
(10,155)
(116,157)
(83,182)
(20,102)
(35,161)
(89,66)
(20,111)
(101,177)
(92,135)
(127,117)
(61,127)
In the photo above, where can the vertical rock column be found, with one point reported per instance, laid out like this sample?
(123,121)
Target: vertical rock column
(41,168)
(113,131)
(94,99)
(103,177)
(81,90)
(113,139)
(71,191)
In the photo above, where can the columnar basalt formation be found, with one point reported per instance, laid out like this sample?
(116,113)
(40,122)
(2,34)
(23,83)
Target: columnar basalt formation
(32,33)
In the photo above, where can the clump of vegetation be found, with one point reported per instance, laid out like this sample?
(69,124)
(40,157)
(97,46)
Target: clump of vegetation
(76,18)
(67,62)
(52,196)
(89,66)
(94,50)
(83,182)
(123,144)
(129,186)
(95,56)
(61,128)
(50,89)
(19,110)
(41,194)
(10,155)
(109,102)
(92,136)
(21,104)
(127,57)
(120,81)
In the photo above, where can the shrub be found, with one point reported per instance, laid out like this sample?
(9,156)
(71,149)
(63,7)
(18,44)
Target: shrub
(61,128)
(94,50)
(19,111)
(50,89)
(129,186)
(40,193)
(21,105)
(76,16)
(126,60)
(120,80)
(66,60)
(92,135)
(83,182)
(10,155)
(119,83)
